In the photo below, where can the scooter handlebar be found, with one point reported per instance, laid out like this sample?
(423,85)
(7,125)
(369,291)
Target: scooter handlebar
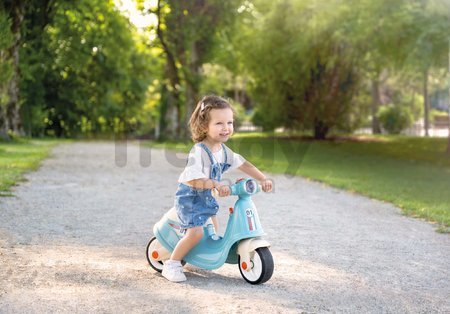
(242,187)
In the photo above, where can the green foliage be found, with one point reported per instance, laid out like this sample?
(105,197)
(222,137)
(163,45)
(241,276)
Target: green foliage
(189,33)
(412,101)
(264,120)
(34,65)
(401,89)
(311,59)
(395,119)
(358,114)
(85,71)
(304,64)
(105,66)
(428,29)
(218,79)
(438,113)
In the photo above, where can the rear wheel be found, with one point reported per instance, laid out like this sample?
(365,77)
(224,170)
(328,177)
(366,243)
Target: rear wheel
(152,246)
(260,269)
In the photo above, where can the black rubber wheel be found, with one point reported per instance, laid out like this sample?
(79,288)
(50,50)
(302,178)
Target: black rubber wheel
(156,265)
(261,268)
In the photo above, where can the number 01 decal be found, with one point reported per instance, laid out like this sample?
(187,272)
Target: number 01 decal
(250,219)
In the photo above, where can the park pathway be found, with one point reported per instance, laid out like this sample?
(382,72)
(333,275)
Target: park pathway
(73,237)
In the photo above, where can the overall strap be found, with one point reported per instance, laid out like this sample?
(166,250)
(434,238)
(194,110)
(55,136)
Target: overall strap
(210,154)
(206,149)
(225,160)
(216,168)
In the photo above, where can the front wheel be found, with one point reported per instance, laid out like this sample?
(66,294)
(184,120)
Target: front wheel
(260,269)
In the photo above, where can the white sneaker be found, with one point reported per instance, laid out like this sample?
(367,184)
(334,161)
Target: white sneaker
(173,271)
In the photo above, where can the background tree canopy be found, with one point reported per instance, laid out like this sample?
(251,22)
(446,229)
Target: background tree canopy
(83,69)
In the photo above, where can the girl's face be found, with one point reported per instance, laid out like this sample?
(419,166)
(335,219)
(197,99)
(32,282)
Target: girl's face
(220,126)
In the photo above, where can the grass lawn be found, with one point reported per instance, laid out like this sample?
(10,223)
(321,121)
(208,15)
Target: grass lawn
(20,156)
(412,173)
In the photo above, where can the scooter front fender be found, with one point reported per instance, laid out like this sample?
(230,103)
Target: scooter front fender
(247,246)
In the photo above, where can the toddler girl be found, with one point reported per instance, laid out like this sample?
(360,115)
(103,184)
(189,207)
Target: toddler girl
(211,126)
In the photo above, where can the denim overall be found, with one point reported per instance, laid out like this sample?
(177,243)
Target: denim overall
(195,206)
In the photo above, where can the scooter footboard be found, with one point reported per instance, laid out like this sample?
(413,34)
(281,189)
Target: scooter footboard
(247,246)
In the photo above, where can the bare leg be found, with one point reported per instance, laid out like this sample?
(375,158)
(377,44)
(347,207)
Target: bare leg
(215,222)
(192,237)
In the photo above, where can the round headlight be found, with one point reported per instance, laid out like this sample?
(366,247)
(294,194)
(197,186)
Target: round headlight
(250,186)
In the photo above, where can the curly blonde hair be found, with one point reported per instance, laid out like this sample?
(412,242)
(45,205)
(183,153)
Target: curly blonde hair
(199,120)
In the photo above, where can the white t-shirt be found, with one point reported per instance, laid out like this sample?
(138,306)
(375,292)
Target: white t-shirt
(196,169)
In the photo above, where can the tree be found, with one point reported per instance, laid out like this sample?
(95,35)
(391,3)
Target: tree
(428,43)
(6,40)
(34,57)
(94,76)
(15,8)
(380,27)
(70,68)
(170,118)
(187,31)
(304,63)
(448,78)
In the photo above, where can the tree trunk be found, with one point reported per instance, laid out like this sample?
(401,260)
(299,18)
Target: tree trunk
(170,109)
(191,97)
(171,120)
(376,129)
(448,75)
(13,105)
(320,130)
(162,125)
(425,103)
(4,123)
(192,83)
(3,120)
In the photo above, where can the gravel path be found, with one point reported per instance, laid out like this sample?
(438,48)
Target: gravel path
(73,237)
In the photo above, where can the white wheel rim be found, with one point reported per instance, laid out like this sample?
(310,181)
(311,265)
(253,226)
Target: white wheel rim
(155,245)
(255,268)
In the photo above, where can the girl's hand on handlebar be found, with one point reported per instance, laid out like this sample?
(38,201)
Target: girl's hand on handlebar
(266,185)
(224,190)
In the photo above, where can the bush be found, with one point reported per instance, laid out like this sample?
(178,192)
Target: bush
(395,119)
(259,118)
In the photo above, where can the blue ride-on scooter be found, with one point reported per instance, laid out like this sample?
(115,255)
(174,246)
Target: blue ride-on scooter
(241,244)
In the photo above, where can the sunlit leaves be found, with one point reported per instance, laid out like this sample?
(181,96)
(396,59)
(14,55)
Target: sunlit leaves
(97,74)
